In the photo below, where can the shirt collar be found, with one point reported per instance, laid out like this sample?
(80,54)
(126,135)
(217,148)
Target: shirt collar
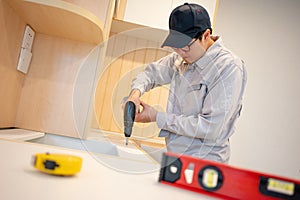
(210,54)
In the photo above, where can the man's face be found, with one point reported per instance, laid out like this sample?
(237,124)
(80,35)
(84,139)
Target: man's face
(192,52)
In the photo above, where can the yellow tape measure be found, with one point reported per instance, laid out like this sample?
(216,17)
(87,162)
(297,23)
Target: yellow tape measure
(57,164)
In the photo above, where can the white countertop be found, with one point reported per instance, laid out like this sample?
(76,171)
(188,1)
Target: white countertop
(96,180)
(20,134)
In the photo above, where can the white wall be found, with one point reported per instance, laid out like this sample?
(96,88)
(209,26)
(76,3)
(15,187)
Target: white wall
(265,34)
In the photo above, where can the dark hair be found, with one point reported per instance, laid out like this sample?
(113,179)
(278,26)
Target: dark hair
(199,35)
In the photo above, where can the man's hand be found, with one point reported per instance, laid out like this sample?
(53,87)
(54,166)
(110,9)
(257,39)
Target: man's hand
(135,98)
(148,113)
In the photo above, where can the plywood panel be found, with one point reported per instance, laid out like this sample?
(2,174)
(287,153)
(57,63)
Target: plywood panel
(97,7)
(46,100)
(83,93)
(149,129)
(113,73)
(11,80)
(120,9)
(102,82)
(127,64)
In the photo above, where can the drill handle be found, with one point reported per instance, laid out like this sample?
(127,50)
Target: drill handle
(129,115)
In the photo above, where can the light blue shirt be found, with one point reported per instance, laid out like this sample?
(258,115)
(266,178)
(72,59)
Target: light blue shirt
(204,102)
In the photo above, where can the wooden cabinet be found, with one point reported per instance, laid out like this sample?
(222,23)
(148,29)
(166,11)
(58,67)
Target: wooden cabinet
(67,32)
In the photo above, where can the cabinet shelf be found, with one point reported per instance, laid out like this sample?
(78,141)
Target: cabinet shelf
(138,30)
(60,18)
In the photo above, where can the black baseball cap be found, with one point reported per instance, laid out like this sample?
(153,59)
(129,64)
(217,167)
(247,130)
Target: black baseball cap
(185,23)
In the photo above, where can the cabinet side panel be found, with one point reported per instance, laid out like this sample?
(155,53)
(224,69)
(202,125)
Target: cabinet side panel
(47,96)
(11,80)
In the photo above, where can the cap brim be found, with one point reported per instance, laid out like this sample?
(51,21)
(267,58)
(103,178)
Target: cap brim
(176,39)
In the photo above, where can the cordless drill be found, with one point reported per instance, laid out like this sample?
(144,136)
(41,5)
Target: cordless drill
(129,115)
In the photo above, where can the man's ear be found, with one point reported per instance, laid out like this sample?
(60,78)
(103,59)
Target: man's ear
(206,34)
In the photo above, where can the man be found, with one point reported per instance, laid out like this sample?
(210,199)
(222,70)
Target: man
(207,83)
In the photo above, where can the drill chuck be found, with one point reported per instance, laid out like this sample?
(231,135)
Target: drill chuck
(129,115)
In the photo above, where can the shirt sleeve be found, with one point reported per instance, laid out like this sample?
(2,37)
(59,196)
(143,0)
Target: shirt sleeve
(155,74)
(221,105)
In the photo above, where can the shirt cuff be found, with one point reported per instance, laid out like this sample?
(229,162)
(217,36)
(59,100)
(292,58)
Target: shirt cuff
(140,88)
(161,119)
